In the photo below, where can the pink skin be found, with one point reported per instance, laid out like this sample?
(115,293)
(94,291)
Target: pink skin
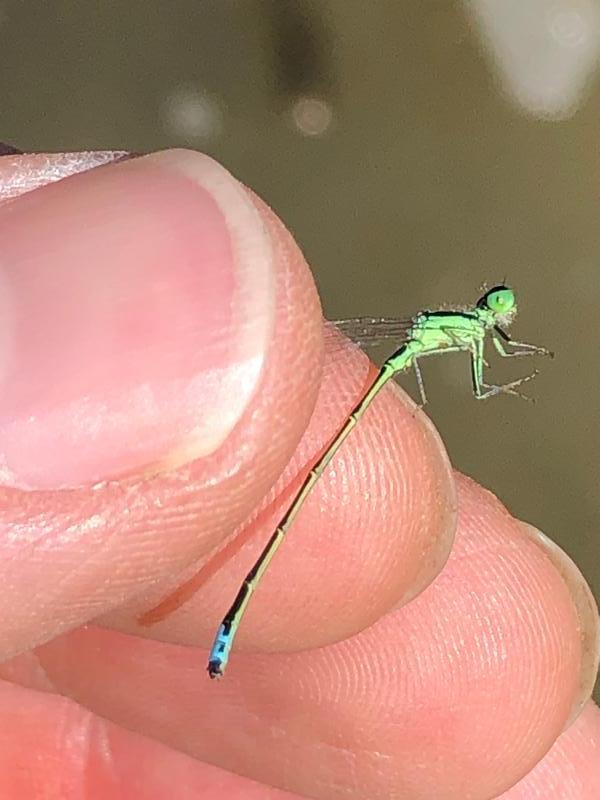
(135,352)
(466,688)
(81,756)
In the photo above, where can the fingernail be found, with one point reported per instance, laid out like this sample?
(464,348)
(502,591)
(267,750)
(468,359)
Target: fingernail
(136,308)
(587,613)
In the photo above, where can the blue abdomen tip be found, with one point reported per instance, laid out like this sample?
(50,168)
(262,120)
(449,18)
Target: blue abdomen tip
(219,654)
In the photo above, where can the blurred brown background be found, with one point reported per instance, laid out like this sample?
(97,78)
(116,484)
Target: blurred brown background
(415,149)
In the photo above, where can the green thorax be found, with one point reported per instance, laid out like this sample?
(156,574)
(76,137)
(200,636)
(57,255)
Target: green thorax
(432,331)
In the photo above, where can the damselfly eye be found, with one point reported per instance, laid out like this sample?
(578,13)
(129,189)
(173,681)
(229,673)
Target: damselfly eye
(500,300)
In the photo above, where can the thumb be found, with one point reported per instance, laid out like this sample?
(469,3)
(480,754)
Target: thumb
(149,313)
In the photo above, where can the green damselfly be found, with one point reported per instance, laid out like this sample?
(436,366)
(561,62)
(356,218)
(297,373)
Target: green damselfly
(427,333)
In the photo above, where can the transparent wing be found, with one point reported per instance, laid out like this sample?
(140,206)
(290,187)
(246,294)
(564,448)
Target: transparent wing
(372,331)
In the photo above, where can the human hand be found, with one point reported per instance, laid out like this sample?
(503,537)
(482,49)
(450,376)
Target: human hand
(162,355)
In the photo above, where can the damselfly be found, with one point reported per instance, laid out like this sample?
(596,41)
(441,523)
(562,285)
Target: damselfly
(426,334)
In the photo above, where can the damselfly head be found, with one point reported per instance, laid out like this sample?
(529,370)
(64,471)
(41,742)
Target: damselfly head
(501,302)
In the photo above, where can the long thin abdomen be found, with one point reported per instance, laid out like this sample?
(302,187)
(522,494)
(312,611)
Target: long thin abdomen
(219,654)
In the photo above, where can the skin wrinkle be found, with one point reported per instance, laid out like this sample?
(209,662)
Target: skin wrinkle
(103,546)
(95,554)
(68,578)
(31,551)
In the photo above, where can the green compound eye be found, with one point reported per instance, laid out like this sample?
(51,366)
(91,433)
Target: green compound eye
(500,300)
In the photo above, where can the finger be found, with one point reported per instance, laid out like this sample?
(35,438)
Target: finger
(51,742)
(66,543)
(467,686)
(571,770)
(116,363)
